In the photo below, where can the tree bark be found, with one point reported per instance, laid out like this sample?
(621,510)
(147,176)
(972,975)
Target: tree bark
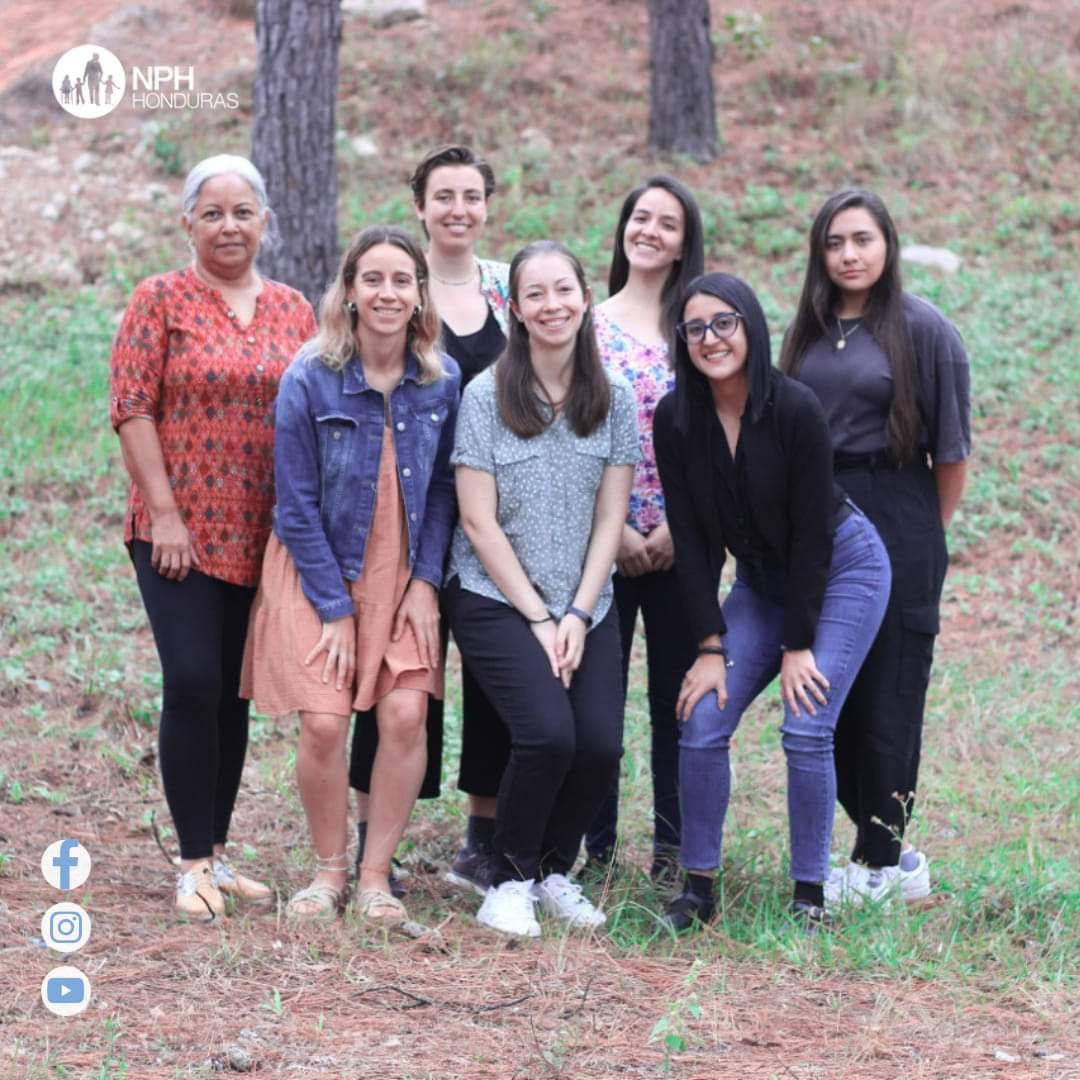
(296,79)
(682,112)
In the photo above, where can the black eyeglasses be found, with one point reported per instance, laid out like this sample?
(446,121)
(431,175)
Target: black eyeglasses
(722,325)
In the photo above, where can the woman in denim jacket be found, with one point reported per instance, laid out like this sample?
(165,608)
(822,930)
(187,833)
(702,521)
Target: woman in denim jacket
(347,612)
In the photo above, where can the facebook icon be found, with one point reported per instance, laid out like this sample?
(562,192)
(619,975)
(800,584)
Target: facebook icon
(65,864)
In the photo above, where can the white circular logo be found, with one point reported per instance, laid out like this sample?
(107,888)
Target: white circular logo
(88,81)
(65,864)
(65,991)
(65,927)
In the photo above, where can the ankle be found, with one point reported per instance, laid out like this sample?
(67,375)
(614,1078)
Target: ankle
(699,885)
(810,892)
(480,832)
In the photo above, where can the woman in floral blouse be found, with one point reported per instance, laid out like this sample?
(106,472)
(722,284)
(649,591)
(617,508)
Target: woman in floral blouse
(658,250)
(195,370)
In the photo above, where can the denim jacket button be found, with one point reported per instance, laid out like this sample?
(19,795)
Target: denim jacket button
(401,425)
(406,472)
(412,517)
(337,434)
(434,417)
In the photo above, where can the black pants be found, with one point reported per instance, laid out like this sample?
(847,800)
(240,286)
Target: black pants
(879,734)
(200,625)
(564,743)
(669,652)
(485,742)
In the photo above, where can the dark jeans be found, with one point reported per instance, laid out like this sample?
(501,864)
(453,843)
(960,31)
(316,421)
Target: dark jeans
(200,626)
(564,744)
(485,742)
(879,734)
(669,652)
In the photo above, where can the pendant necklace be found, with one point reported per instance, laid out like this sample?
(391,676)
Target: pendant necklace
(841,341)
(464,281)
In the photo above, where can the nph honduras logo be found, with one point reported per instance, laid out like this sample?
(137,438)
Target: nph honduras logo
(88,81)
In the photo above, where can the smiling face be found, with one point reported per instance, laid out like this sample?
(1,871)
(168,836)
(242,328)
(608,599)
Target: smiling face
(549,301)
(855,253)
(226,226)
(717,358)
(654,233)
(385,290)
(454,208)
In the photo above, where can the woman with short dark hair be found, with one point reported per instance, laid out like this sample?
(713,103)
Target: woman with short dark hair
(544,454)
(892,375)
(746,465)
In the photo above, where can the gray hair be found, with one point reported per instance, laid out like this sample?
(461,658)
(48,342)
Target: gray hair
(220,165)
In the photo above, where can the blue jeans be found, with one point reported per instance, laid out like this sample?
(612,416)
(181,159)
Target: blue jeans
(855,598)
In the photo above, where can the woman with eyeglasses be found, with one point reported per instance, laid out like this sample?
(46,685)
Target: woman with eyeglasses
(746,463)
(892,375)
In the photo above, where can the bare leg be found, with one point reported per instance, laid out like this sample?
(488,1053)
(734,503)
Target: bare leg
(395,781)
(322,777)
(482,805)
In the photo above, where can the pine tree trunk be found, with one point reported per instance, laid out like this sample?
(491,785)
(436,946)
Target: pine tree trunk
(293,146)
(682,112)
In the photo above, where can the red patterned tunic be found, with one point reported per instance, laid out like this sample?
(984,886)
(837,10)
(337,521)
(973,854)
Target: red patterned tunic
(181,359)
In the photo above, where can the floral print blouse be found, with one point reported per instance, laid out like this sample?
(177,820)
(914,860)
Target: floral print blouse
(646,369)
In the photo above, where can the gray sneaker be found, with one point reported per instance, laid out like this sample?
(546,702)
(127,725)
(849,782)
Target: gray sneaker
(471,869)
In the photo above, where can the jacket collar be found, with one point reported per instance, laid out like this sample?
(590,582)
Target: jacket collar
(353,374)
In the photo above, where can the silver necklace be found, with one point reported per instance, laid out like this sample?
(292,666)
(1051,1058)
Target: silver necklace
(446,281)
(841,341)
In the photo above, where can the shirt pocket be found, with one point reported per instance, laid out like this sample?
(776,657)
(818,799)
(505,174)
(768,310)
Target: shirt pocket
(337,435)
(428,423)
(591,455)
(519,479)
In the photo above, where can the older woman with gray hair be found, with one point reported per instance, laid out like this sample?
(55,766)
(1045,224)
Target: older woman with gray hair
(195,370)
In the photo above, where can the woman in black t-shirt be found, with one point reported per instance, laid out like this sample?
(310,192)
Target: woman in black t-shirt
(451,188)
(892,376)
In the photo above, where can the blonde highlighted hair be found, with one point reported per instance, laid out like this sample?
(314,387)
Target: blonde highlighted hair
(335,343)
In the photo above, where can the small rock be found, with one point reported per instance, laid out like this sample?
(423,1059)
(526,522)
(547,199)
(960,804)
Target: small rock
(239,1059)
(52,211)
(85,162)
(535,141)
(384,13)
(96,235)
(1001,1055)
(938,258)
(364,146)
(1049,1055)
(121,230)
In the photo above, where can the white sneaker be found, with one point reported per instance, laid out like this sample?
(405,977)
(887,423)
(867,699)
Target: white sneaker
(562,898)
(510,909)
(856,884)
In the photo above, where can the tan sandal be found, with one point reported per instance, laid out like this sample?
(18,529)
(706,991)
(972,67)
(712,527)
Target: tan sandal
(239,886)
(371,901)
(328,900)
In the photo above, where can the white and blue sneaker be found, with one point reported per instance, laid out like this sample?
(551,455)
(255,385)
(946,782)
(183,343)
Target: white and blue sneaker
(858,884)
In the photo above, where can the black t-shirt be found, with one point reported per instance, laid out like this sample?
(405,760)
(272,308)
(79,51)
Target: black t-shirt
(475,352)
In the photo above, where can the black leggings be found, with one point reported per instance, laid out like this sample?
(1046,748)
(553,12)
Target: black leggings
(200,625)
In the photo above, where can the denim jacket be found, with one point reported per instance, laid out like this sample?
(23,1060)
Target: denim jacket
(327,446)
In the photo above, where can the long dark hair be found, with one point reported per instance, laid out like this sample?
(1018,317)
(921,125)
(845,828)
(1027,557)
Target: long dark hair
(883,317)
(683,270)
(692,396)
(522,409)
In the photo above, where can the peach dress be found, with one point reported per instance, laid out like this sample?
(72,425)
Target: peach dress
(285,628)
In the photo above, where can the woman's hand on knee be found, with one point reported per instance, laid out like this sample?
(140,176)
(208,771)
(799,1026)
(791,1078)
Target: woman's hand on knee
(338,641)
(708,673)
(800,681)
(419,608)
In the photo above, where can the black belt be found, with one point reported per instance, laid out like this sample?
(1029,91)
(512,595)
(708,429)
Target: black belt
(879,459)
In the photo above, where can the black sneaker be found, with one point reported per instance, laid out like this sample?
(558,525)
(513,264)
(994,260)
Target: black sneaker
(811,917)
(687,911)
(471,869)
